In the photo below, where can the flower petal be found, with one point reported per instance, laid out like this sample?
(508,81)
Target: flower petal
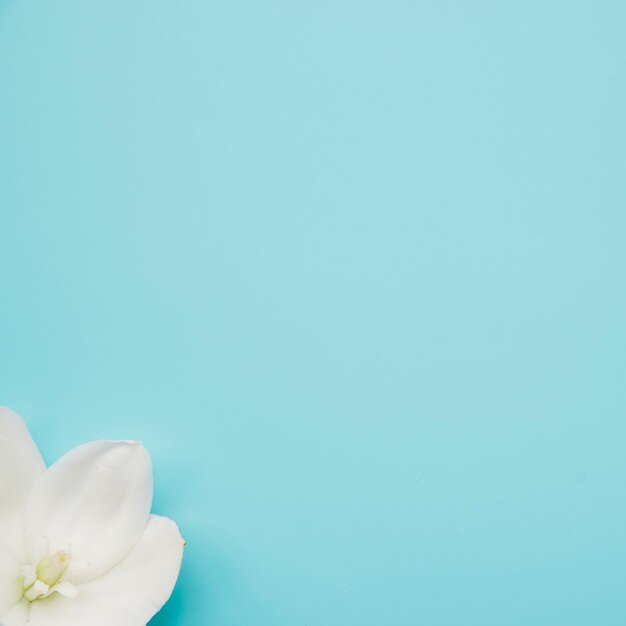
(130,594)
(96,499)
(11,588)
(17,615)
(20,466)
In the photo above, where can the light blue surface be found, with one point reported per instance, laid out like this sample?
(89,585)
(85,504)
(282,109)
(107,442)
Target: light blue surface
(355,274)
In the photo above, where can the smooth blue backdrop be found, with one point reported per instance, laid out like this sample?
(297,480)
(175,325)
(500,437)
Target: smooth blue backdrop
(355,274)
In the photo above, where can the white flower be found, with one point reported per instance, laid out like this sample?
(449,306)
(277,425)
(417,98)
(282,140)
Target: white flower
(78,546)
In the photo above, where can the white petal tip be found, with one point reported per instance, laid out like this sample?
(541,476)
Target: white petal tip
(66,589)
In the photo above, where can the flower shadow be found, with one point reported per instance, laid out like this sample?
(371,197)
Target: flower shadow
(196,592)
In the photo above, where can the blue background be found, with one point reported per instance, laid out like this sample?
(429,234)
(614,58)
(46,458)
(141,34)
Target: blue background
(354,272)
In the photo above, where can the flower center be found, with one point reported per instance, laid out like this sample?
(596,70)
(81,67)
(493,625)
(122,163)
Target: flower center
(46,577)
